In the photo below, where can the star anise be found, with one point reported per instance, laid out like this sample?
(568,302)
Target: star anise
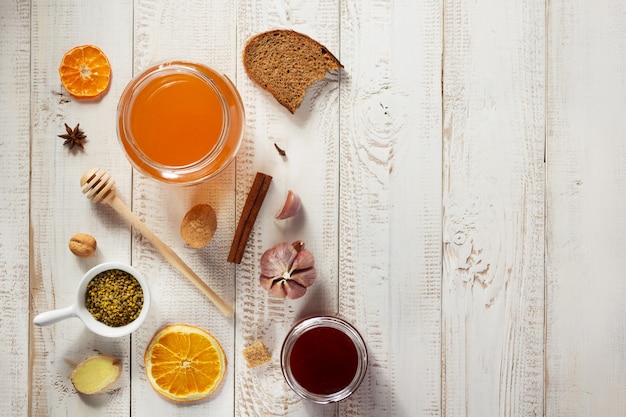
(73,136)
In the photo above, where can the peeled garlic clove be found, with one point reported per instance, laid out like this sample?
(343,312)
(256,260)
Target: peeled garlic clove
(292,206)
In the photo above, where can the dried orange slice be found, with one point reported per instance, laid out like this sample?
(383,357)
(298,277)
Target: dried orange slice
(85,71)
(184,363)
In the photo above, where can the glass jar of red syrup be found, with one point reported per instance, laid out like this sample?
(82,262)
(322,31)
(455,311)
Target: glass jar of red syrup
(324,359)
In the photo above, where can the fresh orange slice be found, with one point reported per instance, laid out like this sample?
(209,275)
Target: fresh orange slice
(85,71)
(184,363)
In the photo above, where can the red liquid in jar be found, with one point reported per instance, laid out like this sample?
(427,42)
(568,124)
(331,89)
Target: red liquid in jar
(324,360)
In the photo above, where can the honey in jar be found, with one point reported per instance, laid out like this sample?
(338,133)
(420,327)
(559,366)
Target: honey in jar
(180,122)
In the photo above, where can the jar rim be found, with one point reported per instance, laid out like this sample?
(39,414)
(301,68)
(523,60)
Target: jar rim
(333,322)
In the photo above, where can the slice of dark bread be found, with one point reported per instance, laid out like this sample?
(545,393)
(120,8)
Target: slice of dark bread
(286,63)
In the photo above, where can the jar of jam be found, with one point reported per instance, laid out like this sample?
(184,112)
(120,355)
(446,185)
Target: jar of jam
(324,359)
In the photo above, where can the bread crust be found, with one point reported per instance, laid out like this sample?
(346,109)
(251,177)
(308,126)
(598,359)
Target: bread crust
(285,63)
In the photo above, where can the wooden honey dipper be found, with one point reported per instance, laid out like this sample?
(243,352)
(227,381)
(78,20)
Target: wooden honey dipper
(98,186)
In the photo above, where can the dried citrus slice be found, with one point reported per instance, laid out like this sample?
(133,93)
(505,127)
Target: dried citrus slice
(184,363)
(85,71)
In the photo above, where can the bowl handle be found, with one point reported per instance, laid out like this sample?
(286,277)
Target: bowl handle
(51,317)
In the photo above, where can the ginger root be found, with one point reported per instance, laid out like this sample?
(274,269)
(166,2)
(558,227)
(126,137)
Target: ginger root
(96,374)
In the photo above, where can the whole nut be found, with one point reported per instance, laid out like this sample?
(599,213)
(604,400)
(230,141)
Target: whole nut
(199,225)
(83,245)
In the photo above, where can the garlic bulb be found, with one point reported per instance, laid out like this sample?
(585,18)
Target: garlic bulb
(287,270)
(291,207)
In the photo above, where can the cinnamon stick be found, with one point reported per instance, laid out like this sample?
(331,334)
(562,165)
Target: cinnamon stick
(250,211)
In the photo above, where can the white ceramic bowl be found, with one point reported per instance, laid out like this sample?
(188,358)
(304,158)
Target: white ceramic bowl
(79,310)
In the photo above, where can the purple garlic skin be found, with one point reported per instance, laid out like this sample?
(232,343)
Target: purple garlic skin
(292,206)
(287,270)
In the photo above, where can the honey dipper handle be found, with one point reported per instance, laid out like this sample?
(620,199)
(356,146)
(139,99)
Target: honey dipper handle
(119,206)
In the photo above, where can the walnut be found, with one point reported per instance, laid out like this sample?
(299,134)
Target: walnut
(83,245)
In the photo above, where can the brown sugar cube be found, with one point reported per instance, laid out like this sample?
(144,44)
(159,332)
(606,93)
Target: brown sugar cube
(256,354)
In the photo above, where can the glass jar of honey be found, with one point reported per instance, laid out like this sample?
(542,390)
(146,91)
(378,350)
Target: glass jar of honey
(324,359)
(180,122)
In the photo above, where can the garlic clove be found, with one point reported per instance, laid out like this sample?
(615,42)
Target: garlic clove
(278,289)
(303,260)
(305,277)
(266,282)
(292,206)
(276,261)
(294,290)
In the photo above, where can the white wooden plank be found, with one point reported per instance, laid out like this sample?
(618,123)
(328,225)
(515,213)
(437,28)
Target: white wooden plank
(586,190)
(493,231)
(310,138)
(203,32)
(415,210)
(390,229)
(14,206)
(58,208)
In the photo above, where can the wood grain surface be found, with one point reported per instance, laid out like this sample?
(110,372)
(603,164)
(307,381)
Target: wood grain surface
(493,205)
(462,181)
(586,193)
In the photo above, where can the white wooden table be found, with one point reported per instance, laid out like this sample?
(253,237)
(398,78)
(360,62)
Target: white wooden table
(464,184)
